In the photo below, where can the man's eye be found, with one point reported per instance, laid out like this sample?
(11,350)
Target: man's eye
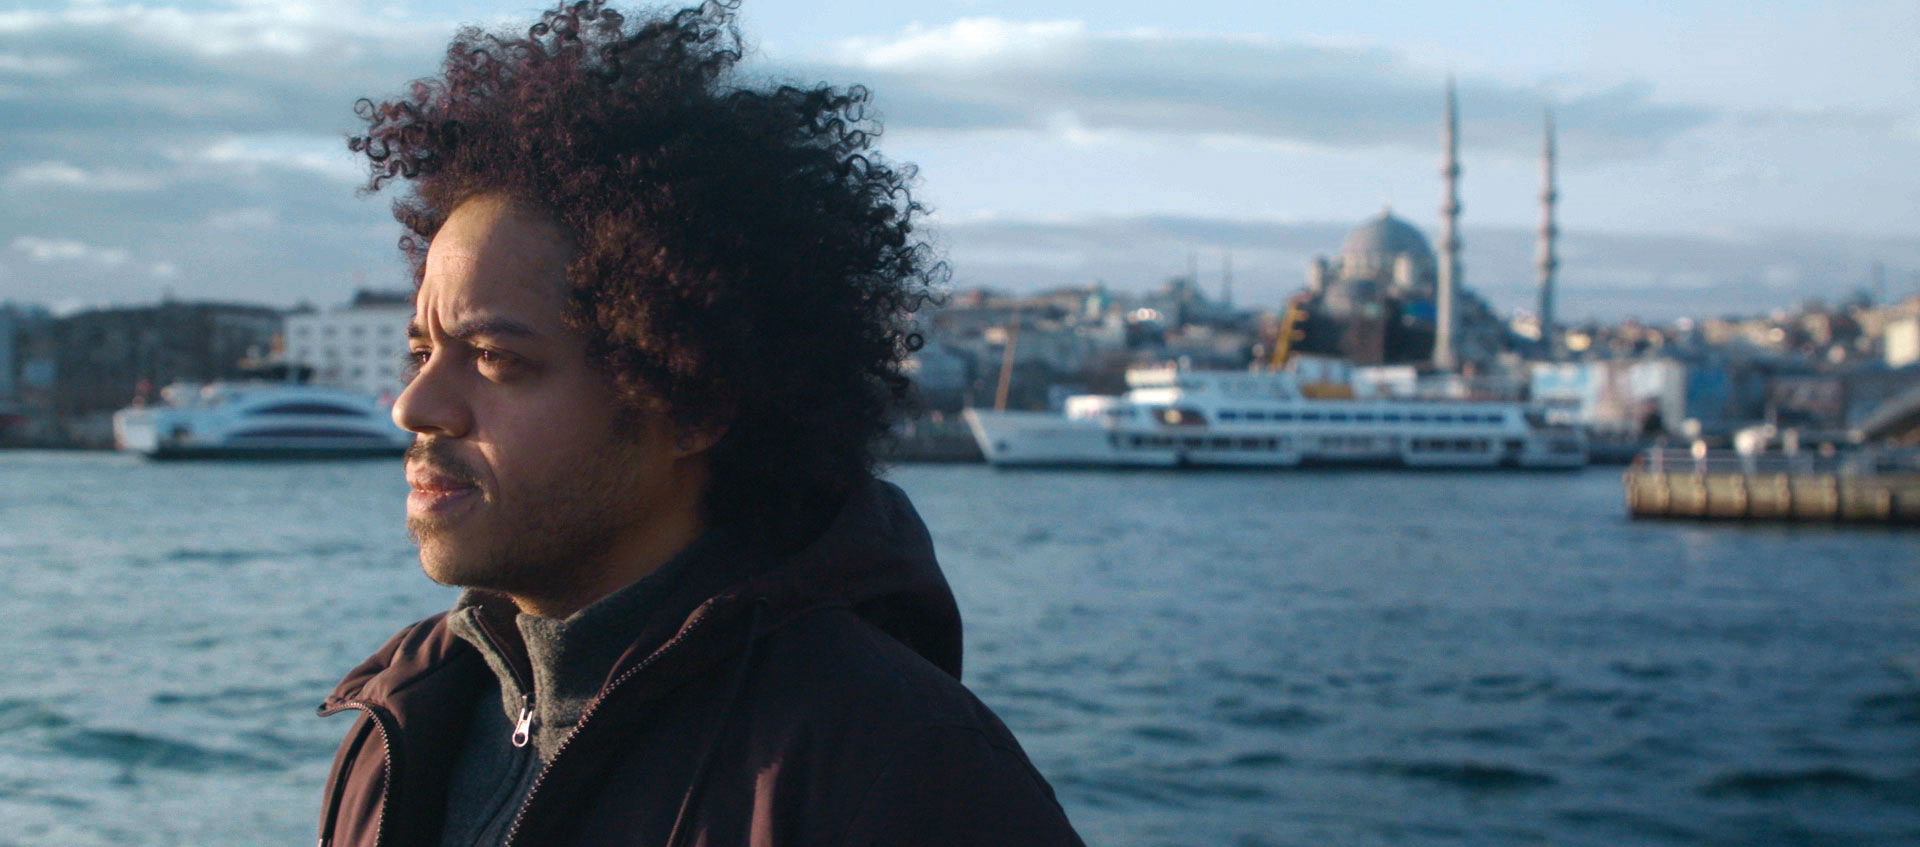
(416,359)
(498,360)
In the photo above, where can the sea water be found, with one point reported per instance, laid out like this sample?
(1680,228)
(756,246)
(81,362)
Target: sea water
(1189,658)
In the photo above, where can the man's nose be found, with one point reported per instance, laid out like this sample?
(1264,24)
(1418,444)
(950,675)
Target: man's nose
(431,404)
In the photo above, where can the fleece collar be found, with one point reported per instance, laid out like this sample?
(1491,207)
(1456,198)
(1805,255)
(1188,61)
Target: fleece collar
(566,662)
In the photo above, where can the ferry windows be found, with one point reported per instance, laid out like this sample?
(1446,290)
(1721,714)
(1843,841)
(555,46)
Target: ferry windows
(1416,417)
(1179,417)
(1337,417)
(1445,419)
(1363,417)
(1256,416)
(1449,445)
(1282,417)
(1229,416)
(1310,416)
(273,433)
(1390,417)
(306,409)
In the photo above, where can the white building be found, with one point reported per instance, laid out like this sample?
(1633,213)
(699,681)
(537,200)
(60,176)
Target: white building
(1903,342)
(360,347)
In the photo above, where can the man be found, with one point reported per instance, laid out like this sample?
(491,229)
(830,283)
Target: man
(658,326)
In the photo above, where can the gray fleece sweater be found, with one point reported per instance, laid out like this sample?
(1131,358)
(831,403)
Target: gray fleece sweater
(566,663)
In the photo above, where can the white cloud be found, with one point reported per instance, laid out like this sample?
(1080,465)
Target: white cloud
(287,29)
(319,155)
(989,73)
(970,41)
(61,174)
(164,270)
(66,250)
(38,66)
(251,217)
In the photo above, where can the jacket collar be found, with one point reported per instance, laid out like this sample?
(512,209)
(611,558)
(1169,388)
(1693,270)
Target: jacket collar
(874,557)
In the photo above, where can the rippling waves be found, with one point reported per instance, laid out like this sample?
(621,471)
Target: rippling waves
(1242,659)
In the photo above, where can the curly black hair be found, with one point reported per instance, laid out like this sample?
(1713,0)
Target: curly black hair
(741,256)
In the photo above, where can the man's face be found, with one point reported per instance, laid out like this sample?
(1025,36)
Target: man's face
(524,479)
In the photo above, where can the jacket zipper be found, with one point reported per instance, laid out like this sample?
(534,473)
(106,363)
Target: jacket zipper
(523,728)
(386,754)
(513,831)
(523,725)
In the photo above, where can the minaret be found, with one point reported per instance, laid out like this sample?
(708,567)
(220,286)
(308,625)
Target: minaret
(1443,357)
(1547,259)
(1226,279)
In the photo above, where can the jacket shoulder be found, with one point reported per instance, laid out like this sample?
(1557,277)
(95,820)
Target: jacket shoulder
(415,651)
(927,761)
(841,666)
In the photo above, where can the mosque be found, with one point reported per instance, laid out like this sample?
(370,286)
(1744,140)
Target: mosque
(1389,298)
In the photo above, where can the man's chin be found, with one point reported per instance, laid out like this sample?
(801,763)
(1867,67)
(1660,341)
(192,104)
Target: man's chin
(444,562)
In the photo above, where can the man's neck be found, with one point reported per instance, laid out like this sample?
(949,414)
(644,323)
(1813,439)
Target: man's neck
(629,558)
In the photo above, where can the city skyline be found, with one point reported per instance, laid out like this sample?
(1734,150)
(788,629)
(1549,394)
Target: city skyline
(1714,158)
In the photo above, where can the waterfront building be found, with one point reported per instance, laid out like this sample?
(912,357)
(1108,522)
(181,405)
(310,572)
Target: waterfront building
(1547,260)
(360,347)
(106,358)
(941,374)
(1389,298)
(26,372)
(1376,302)
(1902,341)
(1444,357)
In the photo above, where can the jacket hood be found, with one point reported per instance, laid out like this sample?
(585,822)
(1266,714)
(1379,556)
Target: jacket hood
(874,557)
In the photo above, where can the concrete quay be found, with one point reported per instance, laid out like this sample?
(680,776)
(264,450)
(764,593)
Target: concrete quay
(1677,484)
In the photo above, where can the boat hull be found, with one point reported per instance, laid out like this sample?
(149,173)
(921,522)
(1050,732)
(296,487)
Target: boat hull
(251,421)
(288,453)
(1036,439)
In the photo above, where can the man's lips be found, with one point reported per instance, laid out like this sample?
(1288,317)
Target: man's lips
(435,492)
(429,480)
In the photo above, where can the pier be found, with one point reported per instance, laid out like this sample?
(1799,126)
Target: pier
(1855,488)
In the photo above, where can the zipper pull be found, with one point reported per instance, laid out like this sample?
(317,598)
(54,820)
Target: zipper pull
(524,729)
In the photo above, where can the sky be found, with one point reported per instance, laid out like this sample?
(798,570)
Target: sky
(1715,157)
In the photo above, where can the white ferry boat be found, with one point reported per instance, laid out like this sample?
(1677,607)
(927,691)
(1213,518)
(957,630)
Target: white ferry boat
(1172,417)
(245,420)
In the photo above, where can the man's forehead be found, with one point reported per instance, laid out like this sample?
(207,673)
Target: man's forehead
(464,282)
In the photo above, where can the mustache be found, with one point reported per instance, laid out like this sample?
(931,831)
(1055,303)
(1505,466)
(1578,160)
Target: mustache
(437,456)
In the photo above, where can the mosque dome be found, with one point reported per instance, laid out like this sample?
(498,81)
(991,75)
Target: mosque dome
(1351,295)
(1379,241)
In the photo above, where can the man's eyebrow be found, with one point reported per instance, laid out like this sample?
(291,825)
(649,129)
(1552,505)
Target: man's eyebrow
(465,330)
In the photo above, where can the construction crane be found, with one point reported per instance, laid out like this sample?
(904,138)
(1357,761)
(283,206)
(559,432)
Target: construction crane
(1291,330)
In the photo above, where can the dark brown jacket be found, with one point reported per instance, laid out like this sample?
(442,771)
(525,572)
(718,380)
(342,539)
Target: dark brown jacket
(808,699)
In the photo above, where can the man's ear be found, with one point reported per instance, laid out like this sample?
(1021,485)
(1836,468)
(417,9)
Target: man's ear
(688,441)
(699,438)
